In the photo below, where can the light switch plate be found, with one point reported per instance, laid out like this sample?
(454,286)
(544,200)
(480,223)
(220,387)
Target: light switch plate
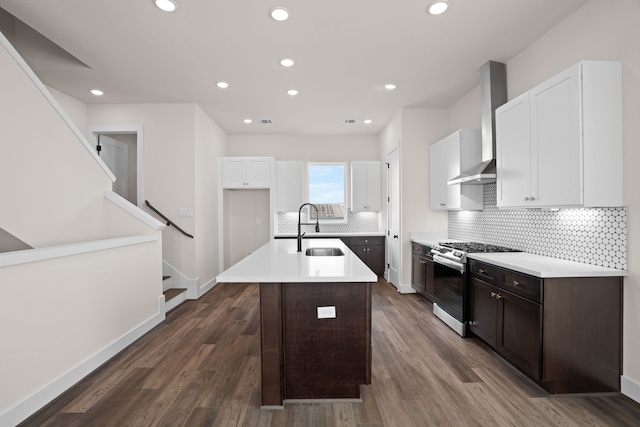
(328,312)
(185,212)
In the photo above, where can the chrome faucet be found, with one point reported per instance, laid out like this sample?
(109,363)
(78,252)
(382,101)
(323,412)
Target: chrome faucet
(317,224)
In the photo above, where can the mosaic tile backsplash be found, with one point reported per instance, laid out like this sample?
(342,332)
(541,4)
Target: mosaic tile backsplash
(596,236)
(357,222)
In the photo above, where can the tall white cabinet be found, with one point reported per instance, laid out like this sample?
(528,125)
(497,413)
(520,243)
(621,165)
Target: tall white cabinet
(447,159)
(366,186)
(560,144)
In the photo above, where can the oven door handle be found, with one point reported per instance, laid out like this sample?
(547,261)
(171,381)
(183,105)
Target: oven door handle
(448,263)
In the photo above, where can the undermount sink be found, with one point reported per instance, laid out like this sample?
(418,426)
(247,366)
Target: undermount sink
(324,252)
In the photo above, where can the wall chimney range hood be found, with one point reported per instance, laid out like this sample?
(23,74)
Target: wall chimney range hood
(493,93)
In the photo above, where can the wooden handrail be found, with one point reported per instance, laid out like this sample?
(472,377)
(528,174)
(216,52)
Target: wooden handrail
(169,222)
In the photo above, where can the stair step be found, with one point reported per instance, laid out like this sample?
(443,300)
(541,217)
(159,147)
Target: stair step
(173,297)
(172,293)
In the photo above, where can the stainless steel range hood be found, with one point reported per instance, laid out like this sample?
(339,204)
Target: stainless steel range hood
(493,93)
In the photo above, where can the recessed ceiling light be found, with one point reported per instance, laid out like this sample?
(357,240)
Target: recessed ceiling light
(390,86)
(438,7)
(279,13)
(166,5)
(367,121)
(222,85)
(248,121)
(292,92)
(97,92)
(287,62)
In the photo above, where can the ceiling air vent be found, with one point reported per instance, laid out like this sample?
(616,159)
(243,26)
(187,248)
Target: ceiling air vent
(350,121)
(265,122)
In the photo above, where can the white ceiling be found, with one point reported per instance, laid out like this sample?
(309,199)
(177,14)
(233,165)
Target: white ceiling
(345,51)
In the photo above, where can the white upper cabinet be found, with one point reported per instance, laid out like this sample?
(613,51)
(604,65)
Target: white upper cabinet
(289,186)
(447,158)
(246,172)
(365,186)
(560,144)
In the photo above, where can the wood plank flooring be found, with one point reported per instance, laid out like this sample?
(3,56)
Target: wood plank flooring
(201,367)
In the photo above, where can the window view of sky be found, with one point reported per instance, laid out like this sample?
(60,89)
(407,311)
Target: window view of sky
(326,184)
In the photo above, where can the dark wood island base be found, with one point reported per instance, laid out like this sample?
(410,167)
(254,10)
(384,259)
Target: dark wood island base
(306,355)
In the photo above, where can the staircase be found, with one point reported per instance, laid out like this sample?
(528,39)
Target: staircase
(173,297)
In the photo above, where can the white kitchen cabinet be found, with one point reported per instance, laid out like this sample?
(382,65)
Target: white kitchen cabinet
(365,186)
(289,185)
(246,172)
(560,144)
(447,158)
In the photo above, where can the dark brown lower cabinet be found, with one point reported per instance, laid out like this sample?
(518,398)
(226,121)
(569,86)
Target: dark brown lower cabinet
(564,333)
(422,270)
(370,249)
(308,356)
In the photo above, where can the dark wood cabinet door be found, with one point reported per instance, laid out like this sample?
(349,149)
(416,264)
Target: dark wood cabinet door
(483,310)
(375,259)
(519,332)
(418,273)
(428,281)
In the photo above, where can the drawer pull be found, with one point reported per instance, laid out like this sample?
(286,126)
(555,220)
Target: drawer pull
(496,296)
(482,271)
(423,261)
(516,283)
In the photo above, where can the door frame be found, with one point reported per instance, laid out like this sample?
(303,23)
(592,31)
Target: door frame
(395,151)
(92,133)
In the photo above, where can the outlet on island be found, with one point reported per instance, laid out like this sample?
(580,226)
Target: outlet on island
(328,312)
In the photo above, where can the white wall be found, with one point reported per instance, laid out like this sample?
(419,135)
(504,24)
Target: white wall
(169,168)
(75,109)
(210,144)
(52,187)
(413,131)
(317,148)
(600,30)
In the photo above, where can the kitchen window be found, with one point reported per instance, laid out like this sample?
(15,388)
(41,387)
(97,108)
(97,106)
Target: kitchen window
(327,190)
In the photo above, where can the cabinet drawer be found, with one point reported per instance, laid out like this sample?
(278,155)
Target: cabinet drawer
(521,284)
(367,241)
(420,250)
(482,271)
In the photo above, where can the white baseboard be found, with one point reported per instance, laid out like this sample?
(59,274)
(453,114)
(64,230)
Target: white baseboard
(630,388)
(42,397)
(405,289)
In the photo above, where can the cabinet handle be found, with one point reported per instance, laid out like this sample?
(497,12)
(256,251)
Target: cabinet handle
(526,199)
(443,204)
(423,261)
(495,295)
(529,199)
(481,271)
(516,283)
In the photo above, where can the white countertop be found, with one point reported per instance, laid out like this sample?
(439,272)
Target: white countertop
(544,266)
(278,262)
(430,238)
(313,234)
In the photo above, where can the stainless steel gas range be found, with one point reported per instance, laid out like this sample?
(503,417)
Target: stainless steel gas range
(450,280)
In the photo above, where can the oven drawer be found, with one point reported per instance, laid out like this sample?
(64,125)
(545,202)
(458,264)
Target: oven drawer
(485,272)
(521,284)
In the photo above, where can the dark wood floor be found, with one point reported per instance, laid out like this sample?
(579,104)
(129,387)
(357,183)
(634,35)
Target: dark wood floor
(201,367)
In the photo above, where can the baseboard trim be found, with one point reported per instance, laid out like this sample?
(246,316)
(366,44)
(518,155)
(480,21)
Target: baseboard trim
(630,388)
(405,289)
(48,393)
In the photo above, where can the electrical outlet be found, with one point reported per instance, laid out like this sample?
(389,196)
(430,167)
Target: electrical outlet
(328,312)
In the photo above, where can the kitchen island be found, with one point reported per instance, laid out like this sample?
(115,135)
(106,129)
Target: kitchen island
(315,318)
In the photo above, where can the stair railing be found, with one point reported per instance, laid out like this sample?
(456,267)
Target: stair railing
(169,222)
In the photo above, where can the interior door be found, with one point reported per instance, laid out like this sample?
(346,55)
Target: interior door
(115,155)
(393,219)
